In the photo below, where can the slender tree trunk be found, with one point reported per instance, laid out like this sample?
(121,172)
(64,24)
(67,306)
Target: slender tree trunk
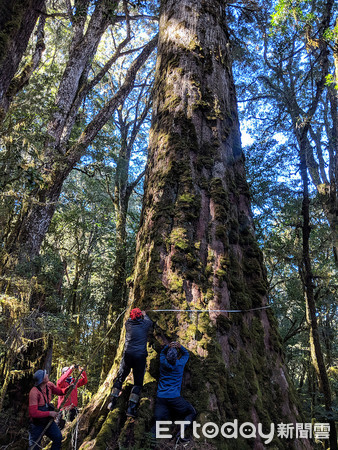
(117,297)
(317,357)
(303,118)
(17,21)
(197,248)
(49,357)
(332,194)
(312,388)
(122,192)
(24,242)
(328,336)
(302,377)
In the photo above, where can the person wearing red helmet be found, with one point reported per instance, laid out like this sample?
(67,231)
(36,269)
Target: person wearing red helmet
(134,357)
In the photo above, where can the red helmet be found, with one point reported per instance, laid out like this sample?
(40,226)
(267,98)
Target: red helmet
(135,313)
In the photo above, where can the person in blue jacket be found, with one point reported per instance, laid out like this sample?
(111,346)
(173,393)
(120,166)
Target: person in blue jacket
(169,402)
(134,357)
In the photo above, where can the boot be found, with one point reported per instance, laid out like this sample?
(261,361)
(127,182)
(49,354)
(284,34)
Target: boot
(132,404)
(113,398)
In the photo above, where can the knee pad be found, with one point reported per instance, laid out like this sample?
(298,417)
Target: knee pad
(136,390)
(134,397)
(117,385)
(115,392)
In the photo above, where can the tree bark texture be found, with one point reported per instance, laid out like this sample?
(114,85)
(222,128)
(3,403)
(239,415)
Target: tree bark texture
(17,21)
(197,248)
(317,357)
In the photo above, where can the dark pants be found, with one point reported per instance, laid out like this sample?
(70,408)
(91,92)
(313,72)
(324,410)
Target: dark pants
(173,409)
(135,362)
(67,416)
(53,432)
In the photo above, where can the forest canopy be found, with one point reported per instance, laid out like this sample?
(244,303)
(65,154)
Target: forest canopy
(173,156)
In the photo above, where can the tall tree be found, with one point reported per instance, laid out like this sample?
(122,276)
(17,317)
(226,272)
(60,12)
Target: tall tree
(197,247)
(129,128)
(306,273)
(295,85)
(65,136)
(301,268)
(17,21)
(62,149)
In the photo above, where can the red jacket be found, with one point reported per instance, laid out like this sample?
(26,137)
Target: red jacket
(36,399)
(63,383)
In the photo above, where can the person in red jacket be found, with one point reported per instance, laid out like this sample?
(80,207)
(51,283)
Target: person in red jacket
(41,411)
(66,380)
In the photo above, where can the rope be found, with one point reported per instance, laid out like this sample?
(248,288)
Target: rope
(211,310)
(36,443)
(72,386)
(101,343)
(75,433)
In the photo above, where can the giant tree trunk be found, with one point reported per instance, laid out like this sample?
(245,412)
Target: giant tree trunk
(197,248)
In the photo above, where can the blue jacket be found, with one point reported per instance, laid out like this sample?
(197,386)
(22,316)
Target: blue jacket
(170,382)
(137,335)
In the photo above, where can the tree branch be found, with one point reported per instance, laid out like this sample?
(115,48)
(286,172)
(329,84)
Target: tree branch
(106,112)
(22,79)
(133,185)
(120,18)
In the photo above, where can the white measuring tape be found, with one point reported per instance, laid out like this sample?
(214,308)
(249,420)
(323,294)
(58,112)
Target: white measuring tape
(210,310)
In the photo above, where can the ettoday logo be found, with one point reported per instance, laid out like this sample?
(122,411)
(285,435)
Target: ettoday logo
(247,430)
(210,430)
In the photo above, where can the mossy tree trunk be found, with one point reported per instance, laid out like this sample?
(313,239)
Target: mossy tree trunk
(197,248)
(17,21)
